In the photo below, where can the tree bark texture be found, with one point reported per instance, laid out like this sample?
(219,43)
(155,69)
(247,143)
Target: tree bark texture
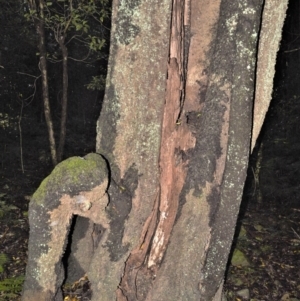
(129,137)
(175,128)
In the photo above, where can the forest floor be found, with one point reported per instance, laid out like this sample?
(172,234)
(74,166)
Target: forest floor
(266,255)
(264,265)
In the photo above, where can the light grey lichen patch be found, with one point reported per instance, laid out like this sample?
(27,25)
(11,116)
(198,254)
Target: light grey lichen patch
(126,30)
(231,24)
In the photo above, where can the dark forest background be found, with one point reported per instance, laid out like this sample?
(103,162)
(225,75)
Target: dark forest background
(23,131)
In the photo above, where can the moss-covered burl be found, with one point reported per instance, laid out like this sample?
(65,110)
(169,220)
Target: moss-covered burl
(77,186)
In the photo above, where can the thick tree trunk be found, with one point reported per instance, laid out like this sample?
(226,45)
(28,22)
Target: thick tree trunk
(178,158)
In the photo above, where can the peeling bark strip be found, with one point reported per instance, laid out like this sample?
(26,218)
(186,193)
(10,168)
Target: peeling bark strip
(176,138)
(77,186)
(175,141)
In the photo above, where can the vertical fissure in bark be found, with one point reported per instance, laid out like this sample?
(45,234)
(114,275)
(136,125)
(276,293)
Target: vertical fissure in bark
(143,262)
(176,139)
(185,49)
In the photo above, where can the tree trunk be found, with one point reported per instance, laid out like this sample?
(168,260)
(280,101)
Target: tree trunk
(39,25)
(64,102)
(175,128)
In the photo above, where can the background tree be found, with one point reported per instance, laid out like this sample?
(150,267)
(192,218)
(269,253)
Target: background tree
(65,21)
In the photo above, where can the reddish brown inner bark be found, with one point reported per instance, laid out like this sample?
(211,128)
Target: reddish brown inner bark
(176,138)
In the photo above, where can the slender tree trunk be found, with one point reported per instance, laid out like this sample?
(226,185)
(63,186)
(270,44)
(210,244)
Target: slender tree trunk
(64,102)
(45,88)
(38,6)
